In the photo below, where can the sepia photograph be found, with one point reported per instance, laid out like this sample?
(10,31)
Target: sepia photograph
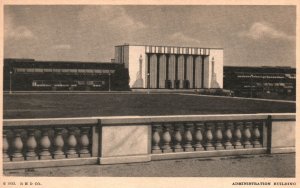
(149,91)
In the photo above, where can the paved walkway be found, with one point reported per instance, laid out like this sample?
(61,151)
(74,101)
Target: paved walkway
(279,165)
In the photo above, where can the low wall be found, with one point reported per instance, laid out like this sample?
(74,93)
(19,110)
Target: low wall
(33,143)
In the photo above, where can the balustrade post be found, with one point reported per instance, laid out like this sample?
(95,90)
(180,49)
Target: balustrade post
(166,138)
(209,137)
(198,137)
(18,146)
(6,146)
(31,145)
(84,141)
(188,137)
(45,144)
(59,144)
(256,135)
(237,136)
(155,139)
(72,143)
(228,136)
(247,135)
(177,139)
(219,136)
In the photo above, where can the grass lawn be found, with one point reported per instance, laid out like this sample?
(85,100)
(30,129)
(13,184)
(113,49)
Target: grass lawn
(18,106)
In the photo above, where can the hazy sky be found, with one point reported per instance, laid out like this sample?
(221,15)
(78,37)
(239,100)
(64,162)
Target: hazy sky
(250,35)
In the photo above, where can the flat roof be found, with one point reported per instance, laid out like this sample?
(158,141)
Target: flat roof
(260,67)
(26,62)
(126,44)
(49,61)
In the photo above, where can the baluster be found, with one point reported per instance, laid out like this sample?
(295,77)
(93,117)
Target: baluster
(177,139)
(219,136)
(237,136)
(188,137)
(198,137)
(247,135)
(72,143)
(5,156)
(228,136)
(31,146)
(45,144)
(166,139)
(18,146)
(209,137)
(59,144)
(155,139)
(256,135)
(84,140)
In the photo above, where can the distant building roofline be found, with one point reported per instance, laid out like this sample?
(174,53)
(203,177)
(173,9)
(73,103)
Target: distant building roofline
(283,67)
(19,59)
(176,46)
(49,61)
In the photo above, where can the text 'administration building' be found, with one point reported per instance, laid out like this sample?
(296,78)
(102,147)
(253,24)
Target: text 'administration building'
(171,67)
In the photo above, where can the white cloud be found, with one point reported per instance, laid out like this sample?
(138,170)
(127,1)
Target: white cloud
(62,47)
(19,33)
(107,16)
(180,37)
(260,30)
(11,31)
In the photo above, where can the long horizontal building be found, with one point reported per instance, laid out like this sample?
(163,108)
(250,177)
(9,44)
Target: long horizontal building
(255,81)
(29,74)
(169,67)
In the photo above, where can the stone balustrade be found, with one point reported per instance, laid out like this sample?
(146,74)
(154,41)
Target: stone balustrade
(33,143)
(206,136)
(44,143)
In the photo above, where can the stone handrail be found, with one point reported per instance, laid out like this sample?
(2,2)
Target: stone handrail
(29,143)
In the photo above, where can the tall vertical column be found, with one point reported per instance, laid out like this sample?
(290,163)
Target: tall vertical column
(202,72)
(194,67)
(176,71)
(167,72)
(167,66)
(148,71)
(184,84)
(184,67)
(172,70)
(157,71)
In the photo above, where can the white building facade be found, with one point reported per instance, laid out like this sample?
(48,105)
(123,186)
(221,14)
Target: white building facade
(169,67)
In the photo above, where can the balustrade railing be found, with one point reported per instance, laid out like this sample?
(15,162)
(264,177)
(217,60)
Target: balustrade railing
(206,136)
(80,141)
(46,143)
